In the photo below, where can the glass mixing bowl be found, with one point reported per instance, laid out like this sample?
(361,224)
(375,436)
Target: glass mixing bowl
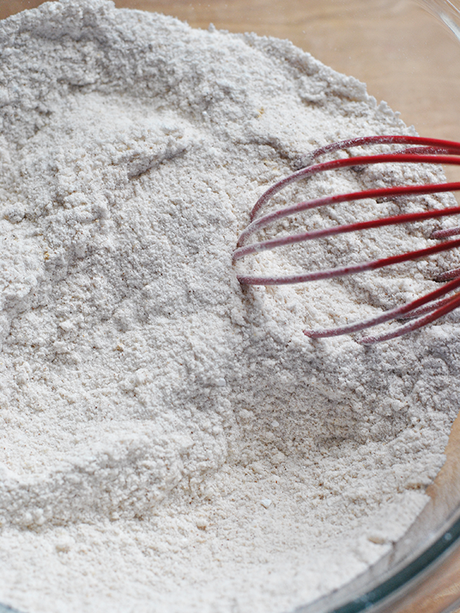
(408,57)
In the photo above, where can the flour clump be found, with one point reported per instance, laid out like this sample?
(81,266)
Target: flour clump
(165,432)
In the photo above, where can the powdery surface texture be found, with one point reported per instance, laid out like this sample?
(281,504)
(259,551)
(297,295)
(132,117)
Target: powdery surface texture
(170,442)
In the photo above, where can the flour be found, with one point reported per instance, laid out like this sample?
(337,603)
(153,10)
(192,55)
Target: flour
(170,441)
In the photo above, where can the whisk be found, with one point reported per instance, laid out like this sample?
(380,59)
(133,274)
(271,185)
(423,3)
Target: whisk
(422,311)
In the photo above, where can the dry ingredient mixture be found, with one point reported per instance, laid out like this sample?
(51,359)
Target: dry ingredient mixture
(169,441)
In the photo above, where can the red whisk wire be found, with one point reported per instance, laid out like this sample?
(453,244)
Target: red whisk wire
(344,229)
(364,160)
(343,271)
(429,144)
(411,309)
(451,305)
(384,192)
(432,151)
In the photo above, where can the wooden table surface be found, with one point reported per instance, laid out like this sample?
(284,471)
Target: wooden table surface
(407,58)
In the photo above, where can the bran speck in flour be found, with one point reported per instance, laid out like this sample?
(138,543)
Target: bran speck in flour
(170,442)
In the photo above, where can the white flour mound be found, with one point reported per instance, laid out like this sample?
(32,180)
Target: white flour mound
(170,442)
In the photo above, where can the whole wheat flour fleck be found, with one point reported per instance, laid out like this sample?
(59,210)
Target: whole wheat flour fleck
(171,442)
